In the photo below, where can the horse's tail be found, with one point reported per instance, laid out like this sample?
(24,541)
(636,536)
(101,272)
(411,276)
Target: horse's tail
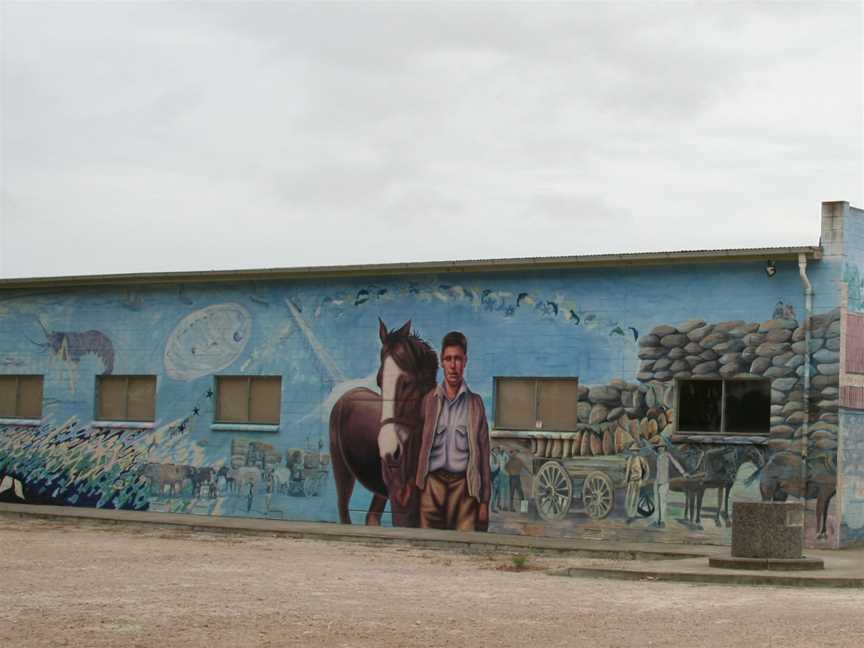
(336,451)
(756,474)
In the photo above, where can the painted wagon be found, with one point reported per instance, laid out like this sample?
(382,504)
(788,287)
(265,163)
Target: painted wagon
(593,480)
(309,472)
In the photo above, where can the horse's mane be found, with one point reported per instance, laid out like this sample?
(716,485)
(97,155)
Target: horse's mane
(412,354)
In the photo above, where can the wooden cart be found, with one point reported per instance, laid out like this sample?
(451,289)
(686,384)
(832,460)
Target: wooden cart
(594,480)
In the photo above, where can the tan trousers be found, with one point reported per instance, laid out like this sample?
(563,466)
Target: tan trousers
(446,504)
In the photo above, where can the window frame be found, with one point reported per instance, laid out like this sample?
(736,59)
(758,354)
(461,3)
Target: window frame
(125,419)
(217,409)
(722,431)
(17,412)
(537,381)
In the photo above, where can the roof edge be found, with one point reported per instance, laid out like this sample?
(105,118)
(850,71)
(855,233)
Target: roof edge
(423,267)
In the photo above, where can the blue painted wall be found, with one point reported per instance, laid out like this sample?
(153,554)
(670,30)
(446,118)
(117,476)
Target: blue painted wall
(321,336)
(851,446)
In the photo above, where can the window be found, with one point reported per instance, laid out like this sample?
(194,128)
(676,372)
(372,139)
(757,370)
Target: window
(724,406)
(126,398)
(536,403)
(248,399)
(21,397)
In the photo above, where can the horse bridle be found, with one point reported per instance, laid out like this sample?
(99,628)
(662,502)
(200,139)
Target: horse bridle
(400,420)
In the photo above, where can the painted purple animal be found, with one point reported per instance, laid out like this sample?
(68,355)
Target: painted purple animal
(375,438)
(160,475)
(201,480)
(71,346)
(781,477)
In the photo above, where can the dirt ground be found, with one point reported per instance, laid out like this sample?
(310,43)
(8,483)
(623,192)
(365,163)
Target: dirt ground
(127,586)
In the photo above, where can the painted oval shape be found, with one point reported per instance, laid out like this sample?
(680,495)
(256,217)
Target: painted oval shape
(207,341)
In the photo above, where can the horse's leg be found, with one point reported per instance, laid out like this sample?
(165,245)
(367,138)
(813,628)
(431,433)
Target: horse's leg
(822,502)
(699,494)
(342,475)
(719,505)
(728,491)
(376,509)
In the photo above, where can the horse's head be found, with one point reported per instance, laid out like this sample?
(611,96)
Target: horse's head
(409,369)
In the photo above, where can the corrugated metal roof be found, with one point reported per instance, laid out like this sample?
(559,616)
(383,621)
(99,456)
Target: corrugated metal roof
(424,267)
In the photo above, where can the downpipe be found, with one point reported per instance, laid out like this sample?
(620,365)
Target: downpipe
(805,426)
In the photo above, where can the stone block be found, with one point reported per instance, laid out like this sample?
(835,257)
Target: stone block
(604,394)
(673,340)
(778,335)
(698,333)
(663,330)
(768,530)
(689,325)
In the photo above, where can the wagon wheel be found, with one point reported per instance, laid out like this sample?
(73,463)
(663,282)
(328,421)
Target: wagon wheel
(311,486)
(553,491)
(598,495)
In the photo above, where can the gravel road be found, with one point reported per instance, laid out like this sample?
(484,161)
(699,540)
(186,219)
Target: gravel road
(128,586)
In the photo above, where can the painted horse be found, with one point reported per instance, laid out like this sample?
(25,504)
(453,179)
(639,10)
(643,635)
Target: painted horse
(721,471)
(375,438)
(781,477)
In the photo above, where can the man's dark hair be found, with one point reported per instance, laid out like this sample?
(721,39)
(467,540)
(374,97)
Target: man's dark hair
(455,338)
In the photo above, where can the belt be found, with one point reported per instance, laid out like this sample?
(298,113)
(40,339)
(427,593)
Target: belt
(447,475)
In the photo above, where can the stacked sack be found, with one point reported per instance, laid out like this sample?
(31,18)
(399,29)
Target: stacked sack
(774,349)
(611,418)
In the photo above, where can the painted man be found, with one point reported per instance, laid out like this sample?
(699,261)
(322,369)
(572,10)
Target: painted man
(453,473)
(635,474)
(661,487)
(514,469)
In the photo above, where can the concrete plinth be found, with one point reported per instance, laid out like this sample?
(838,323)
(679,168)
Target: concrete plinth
(768,530)
(767,564)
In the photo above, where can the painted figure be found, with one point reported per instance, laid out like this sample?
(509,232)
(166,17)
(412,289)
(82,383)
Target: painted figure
(497,479)
(514,468)
(453,473)
(661,487)
(635,474)
(374,438)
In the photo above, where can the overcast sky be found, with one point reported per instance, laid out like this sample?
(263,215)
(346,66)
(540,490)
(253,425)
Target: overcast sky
(178,136)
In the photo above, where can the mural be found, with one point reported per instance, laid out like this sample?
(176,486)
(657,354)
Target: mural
(366,403)
(423,448)
(626,449)
(207,341)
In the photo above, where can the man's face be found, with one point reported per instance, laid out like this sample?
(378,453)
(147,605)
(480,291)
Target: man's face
(453,361)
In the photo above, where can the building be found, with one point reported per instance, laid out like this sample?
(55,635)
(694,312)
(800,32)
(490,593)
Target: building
(628,396)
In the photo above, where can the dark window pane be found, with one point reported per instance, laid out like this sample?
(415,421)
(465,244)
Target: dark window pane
(112,398)
(265,400)
(141,398)
(8,395)
(699,403)
(557,407)
(233,399)
(514,404)
(748,406)
(30,397)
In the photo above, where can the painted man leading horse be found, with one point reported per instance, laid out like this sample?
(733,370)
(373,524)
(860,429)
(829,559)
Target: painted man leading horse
(422,446)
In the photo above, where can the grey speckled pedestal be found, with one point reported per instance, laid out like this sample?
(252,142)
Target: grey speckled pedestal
(767,536)
(767,530)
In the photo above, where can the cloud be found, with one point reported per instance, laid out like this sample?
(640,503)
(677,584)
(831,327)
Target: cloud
(277,134)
